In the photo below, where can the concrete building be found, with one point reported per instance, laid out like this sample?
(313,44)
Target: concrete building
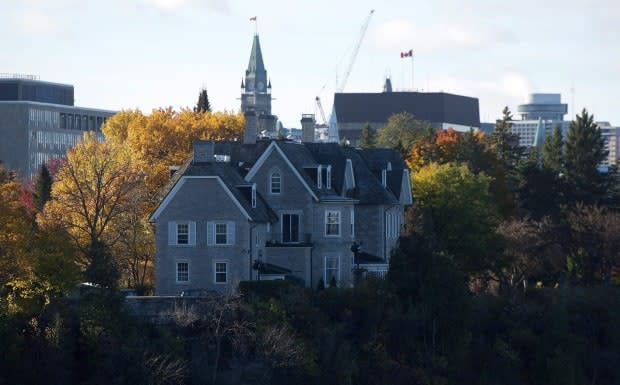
(39,122)
(547,109)
(352,111)
(543,112)
(612,143)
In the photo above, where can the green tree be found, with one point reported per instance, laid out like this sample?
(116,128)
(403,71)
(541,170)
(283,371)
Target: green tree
(553,150)
(203,104)
(457,212)
(505,143)
(368,137)
(401,132)
(585,151)
(42,187)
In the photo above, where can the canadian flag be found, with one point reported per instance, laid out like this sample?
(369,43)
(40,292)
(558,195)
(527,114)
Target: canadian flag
(406,53)
(253,18)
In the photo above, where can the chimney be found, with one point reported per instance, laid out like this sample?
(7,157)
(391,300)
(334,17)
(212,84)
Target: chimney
(307,128)
(249,134)
(204,151)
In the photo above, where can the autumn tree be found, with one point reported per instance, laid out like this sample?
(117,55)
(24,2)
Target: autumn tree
(91,193)
(164,138)
(15,229)
(203,104)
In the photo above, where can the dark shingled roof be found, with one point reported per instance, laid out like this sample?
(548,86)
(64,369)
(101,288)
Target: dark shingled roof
(231,177)
(434,107)
(305,157)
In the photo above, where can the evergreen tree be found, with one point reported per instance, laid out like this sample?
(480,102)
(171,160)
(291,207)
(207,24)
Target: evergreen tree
(552,150)
(42,187)
(505,143)
(368,137)
(585,151)
(203,104)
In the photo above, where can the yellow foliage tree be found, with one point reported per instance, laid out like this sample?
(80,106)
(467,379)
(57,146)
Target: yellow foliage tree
(92,191)
(164,138)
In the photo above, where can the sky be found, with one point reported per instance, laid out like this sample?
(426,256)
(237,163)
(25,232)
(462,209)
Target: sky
(126,54)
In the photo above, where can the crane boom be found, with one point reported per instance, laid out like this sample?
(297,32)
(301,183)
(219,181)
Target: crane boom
(320,106)
(355,51)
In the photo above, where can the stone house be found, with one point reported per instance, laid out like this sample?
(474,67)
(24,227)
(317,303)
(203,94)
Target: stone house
(271,209)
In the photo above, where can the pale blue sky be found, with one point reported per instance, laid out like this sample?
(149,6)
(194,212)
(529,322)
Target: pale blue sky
(156,53)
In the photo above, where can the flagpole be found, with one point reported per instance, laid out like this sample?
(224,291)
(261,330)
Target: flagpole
(412,87)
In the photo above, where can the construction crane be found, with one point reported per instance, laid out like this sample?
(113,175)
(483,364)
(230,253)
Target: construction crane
(320,107)
(356,49)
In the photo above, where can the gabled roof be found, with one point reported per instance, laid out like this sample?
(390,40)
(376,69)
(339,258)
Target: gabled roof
(368,188)
(230,179)
(435,107)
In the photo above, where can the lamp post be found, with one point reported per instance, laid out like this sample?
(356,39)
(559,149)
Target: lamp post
(357,272)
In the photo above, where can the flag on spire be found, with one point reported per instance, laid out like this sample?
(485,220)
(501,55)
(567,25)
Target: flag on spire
(253,18)
(406,53)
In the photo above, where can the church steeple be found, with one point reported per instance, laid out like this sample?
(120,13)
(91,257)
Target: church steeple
(256,91)
(256,75)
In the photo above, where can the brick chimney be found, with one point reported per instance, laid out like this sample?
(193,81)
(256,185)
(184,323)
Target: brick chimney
(307,128)
(204,151)
(250,134)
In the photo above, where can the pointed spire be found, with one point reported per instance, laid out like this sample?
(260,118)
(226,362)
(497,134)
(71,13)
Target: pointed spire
(256,64)
(539,138)
(242,85)
(269,85)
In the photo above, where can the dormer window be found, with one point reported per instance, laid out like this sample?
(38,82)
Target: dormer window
(328,182)
(384,177)
(254,195)
(319,179)
(389,166)
(275,185)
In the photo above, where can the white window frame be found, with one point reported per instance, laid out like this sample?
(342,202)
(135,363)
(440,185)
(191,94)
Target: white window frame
(319,171)
(176,271)
(215,272)
(173,233)
(325,269)
(328,213)
(254,195)
(272,177)
(328,182)
(212,233)
(180,234)
(298,215)
(352,217)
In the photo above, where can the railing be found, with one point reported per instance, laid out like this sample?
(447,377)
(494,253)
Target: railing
(6,75)
(378,270)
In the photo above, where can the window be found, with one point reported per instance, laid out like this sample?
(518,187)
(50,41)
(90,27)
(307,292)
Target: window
(328,182)
(276,183)
(182,233)
(221,272)
(319,177)
(182,272)
(352,223)
(290,228)
(332,223)
(221,233)
(254,195)
(332,270)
